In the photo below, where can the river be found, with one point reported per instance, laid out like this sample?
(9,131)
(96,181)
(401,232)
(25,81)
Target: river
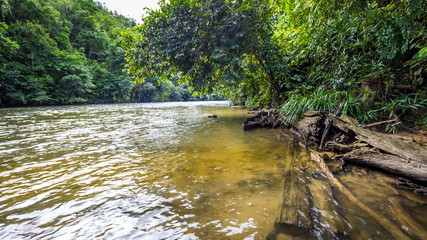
(166,171)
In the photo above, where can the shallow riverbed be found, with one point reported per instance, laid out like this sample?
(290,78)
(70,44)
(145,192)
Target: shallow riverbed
(166,171)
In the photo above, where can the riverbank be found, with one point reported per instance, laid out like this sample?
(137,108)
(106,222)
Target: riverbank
(333,145)
(344,140)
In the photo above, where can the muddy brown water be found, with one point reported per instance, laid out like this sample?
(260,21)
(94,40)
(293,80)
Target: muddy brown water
(166,171)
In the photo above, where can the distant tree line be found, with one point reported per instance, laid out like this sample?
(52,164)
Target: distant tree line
(68,52)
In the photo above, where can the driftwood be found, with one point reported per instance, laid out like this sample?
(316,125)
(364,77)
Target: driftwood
(263,118)
(400,155)
(371,157)
(411,151)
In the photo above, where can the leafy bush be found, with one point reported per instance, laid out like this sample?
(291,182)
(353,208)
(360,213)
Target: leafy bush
(328,100)
(402,104)
(422,122)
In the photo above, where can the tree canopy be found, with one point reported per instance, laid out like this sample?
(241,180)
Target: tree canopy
(366,57)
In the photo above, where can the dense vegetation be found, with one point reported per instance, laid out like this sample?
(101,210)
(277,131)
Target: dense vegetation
(69,51)
(60,52)
(367,58)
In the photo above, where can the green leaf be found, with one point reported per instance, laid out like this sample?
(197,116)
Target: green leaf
(413,4)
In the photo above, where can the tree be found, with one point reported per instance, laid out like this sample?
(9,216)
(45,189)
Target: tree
(210,43)
(61,52)
(271,53)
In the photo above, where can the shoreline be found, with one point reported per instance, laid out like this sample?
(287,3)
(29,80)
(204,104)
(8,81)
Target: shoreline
(347,142)
(112,103)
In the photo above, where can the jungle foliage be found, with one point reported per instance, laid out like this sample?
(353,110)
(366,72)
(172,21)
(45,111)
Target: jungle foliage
(61,52)
(367,57)
(68,52)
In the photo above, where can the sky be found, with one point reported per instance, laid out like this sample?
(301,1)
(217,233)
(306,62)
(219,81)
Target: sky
(130,8)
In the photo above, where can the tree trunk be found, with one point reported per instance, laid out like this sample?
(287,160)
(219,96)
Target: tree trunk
(409,151)
(295,208)
(396,165)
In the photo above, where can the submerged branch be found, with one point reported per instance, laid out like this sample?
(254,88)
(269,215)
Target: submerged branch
(397,234)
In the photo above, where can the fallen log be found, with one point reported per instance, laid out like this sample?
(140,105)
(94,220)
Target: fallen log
(371,157)
(263,118)
(406,183)
(300,210)
(401,154)
(408,151)
(251,123)
(344,148)
(324,202)
(311,127)
(393,155)
(294,210)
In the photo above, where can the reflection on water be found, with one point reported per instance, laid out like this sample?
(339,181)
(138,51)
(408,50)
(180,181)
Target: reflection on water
(166,171)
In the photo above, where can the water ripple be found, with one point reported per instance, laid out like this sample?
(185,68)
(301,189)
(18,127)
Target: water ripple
(144,171)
